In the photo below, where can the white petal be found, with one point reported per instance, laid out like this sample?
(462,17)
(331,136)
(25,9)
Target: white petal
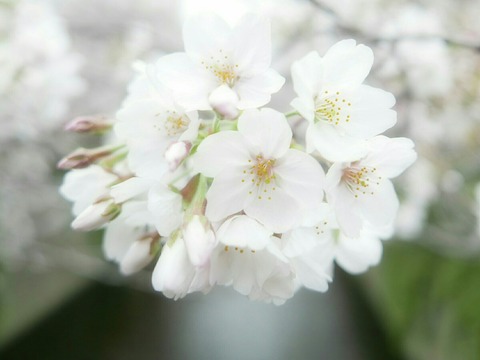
(252,45)
(332,180)
(224,101)
(96,215)
(249,272)
(219,151)
(312,268)
(136,258)
(346,210)
(391,156)
(204,33)
(227,194)
(298,241)
(243,231)
(85,186)
(130,188)
(380,208)
(140,119)
(356,255)
(174,275)
(199,241)
(256,91)
(166,208)
(346,63)
(307,74)
(301,176)
(190,83)
(146,158)
(305,107)
(136,214)
(267,131)
(371,113)
(278,211)
(191,132)
(118,238)
(327,140)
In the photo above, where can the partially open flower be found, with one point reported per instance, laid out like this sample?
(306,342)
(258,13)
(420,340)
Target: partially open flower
(97,215)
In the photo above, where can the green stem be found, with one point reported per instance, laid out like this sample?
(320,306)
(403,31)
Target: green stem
(216,124)
(196,206)
(291,113)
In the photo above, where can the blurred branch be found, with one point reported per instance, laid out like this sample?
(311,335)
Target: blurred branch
(393,40)
(50,256)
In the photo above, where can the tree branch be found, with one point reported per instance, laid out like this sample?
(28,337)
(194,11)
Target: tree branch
(348,28)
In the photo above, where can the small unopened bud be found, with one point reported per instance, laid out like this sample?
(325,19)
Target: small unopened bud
(89,124)
(82,158)
(97,215)
(140,254)
(176,153)
(199,240)
(224,101)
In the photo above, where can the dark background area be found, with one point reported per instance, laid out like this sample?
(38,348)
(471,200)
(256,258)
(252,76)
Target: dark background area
(112,322)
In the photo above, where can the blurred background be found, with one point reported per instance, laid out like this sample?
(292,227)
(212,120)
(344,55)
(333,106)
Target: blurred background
(60,299)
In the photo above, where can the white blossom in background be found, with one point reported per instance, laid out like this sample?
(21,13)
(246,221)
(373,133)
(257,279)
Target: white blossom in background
(219,190)
(39,78)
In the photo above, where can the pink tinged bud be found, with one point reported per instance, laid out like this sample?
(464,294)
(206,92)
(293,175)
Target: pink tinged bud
(82,158)
(199,241)
(176,153)
(89,124)
(140,254)
(97,215)
(224,101)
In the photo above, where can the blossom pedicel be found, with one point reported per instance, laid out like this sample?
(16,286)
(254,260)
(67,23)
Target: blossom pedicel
(226,198)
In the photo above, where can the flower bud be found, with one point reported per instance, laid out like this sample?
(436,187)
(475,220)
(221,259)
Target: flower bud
(89,124)
(97,215)
(139,254)
(176,153)
(224,101)
(82,158)
(199,240)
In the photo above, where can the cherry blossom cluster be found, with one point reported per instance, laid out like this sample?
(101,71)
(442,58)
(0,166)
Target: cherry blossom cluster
(199,174)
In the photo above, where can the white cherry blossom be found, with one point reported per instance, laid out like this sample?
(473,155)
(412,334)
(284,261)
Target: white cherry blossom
(217,55)
(149,122)
(341,111)
(255,171)
(361,191)
(248,259)
(318,242)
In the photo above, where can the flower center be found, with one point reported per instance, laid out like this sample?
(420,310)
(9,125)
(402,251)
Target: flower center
(225,74)
(361,180)
(175,125)
(332,107)
(260,176)
(223,69)
(263,169)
